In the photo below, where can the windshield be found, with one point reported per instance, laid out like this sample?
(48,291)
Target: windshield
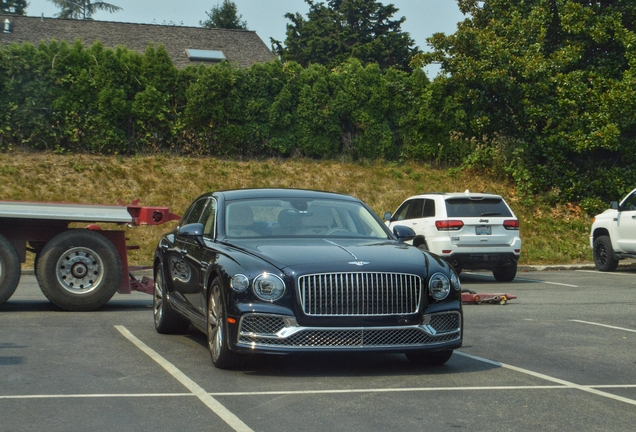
(300,218)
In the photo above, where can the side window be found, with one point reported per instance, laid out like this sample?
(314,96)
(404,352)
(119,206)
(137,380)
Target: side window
(417,207)
(194,212)
(429,208)
(630,203)
(401,213)
(208,219)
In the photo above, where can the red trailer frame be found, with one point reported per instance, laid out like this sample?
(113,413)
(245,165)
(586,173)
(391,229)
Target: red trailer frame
(38,227)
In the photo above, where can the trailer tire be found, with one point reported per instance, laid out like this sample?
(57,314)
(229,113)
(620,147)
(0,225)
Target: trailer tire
(9,270)
(79,270)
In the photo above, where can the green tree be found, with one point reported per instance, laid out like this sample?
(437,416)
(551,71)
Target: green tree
(82,9)
(340,29)
(555,80)
(13,7)
(224,16)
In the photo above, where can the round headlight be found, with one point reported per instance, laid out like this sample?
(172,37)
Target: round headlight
(268,287)
(239,283)
(455,281)
(439,286)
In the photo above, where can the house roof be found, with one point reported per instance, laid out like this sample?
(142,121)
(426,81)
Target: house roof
(241,47)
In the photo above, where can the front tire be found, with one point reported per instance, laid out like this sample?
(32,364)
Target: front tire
(167,321)
(604,258)
(505,274)
(427,358)
(9,270)
(218,344)
(79,270)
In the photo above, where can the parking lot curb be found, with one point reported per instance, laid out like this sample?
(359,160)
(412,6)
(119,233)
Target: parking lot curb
(521,268)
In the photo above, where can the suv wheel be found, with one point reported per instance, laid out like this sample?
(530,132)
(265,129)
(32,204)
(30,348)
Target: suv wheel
(505,274)
(604,254)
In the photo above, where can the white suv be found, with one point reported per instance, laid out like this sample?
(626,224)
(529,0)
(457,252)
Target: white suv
(613,235)
(469,230)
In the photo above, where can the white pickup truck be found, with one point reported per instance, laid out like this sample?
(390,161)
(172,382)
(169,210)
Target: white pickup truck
(613,235)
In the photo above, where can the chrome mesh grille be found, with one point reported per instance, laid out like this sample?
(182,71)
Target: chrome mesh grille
(355,294)
(445,322)
(358,338)
(447,325)
(262,324)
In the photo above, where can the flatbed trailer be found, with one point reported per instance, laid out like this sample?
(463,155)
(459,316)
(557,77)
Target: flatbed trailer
(78,269)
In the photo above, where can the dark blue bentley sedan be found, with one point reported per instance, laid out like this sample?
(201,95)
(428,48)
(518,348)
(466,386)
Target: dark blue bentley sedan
(287,270)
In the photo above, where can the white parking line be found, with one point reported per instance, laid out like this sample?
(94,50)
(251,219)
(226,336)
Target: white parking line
(605,273)
(311,392)
(604,325)
(233,421)
(567,384)
(528,280)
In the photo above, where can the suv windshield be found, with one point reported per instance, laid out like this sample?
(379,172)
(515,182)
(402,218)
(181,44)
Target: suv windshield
(467,207)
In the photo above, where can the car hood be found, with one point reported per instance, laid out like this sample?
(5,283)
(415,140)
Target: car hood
(337,255)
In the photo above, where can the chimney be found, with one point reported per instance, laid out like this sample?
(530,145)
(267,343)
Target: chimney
(7,26)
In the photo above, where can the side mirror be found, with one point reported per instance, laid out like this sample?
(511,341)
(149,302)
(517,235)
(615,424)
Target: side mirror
(614,205)
(192,231)
(403,233)
(387,216)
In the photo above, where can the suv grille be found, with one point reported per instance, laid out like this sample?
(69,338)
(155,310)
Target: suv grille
(355,294)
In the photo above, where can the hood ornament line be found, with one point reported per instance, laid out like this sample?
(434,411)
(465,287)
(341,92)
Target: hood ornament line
(356,262)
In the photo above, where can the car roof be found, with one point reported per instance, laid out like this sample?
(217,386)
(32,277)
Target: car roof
(465,194)
(237,194)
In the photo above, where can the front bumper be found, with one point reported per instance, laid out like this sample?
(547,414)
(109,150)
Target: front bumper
(282,334)
(481,261)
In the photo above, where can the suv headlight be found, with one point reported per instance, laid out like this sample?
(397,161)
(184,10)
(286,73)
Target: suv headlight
(439,286)
(268,287)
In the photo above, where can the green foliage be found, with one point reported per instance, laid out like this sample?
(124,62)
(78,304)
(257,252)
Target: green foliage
(224,16)
(82,9)
(340,29)
(13,7)
(556,77)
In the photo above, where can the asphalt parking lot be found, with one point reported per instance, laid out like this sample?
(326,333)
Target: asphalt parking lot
(562,356)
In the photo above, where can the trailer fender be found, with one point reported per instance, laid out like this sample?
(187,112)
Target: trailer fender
(79,270)
(9,269)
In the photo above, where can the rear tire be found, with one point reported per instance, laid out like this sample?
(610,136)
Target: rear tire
(604,258)
(9,270)
(167,321)
(427,358)
(505,274)
(79,270)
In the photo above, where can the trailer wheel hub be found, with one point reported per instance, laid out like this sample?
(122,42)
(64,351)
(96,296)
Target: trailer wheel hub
(80,270)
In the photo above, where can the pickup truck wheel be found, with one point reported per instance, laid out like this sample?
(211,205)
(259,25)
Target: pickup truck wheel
(79,270)
(9,270)
(604,259)
(505,274)
(426,358)
(166,320)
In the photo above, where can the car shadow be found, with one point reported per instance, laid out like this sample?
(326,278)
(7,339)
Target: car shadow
(343,364)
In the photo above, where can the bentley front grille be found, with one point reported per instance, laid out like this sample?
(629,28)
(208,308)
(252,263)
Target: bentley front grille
(355,294)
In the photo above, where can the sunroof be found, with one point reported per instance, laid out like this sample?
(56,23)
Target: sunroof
(205,55)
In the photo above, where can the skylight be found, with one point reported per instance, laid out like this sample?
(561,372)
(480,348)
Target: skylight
(205,55)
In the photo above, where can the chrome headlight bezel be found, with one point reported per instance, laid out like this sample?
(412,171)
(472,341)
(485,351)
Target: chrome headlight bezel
(439,286)
(239,283)
(454,280)
(268,287)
